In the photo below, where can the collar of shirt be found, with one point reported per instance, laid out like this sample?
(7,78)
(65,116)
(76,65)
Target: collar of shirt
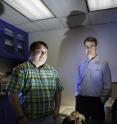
(93,59)
(40,67)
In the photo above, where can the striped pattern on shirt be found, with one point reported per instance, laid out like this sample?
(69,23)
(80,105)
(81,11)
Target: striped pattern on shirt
(38,85)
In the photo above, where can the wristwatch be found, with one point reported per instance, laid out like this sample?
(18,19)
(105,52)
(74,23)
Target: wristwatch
(20,117)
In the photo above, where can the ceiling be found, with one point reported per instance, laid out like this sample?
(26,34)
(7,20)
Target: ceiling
(68,13)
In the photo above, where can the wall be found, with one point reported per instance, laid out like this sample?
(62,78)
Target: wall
(66,51)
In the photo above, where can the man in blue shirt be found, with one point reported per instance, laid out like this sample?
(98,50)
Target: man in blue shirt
(93,84)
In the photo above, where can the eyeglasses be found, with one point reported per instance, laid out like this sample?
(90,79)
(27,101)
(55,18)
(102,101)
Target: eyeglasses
(41,51)
(90,47)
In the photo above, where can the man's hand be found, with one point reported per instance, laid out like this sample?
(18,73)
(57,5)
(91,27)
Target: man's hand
(23,121)
(55,113)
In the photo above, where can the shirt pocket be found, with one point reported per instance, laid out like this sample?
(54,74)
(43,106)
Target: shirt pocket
(96,74)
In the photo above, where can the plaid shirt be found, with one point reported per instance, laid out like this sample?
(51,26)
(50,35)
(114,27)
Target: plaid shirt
(38,86)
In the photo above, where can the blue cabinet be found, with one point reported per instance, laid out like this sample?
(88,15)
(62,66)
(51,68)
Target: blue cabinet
(13,42)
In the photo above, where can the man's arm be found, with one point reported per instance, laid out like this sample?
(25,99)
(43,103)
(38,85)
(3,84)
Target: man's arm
(107,83)
(15,102)
(77,83)
(57,98)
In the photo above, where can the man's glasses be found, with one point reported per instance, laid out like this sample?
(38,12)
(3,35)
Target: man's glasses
(90,47)
(40,51)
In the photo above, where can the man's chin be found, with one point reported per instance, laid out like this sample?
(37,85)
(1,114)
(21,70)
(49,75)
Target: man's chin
(89,55)
(42,61)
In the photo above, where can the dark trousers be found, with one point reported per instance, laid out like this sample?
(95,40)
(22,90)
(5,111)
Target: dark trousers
(92,108)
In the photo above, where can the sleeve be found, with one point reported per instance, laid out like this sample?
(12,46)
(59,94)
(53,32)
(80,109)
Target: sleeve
(59,83)
(107,81)
(16,83)
(77,84)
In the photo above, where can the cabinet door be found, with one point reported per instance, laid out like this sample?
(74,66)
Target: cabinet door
(22,44)
(8,41)
(9,47)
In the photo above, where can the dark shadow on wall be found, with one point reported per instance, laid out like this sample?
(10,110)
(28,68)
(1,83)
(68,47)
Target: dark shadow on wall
(74,20)
(69,45)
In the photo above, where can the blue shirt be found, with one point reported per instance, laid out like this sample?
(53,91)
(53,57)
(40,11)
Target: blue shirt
(94,79)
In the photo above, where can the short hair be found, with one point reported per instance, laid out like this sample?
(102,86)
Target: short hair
(35,45)
(90,39)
